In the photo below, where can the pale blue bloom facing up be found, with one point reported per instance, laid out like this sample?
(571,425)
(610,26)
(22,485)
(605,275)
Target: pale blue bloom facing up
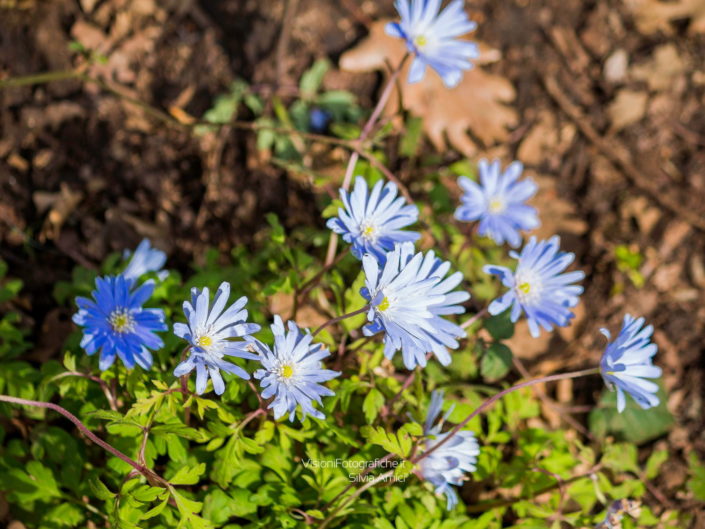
(447,465)
(211,332)
(627,361)
(372,221)
(293,371)
(115,323)
(432,38)
(408,296)
(538,287)
(498,202)
(145,259)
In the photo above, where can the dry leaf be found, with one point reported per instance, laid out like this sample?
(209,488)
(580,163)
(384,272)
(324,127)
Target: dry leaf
(627,108)
(654,15)
(546,140)
(662,69)
(62,205)
(477,104)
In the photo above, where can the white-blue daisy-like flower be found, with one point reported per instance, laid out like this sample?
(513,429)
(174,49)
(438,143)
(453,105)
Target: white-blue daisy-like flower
(145,259)
(211,332)
(293,372)
(372,221)
(627,362)
(115,323)
(431,35)
(538,287)
(408,296)
(498,202)
(448,465)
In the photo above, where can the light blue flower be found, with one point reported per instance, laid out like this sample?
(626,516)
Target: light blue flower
(499,202)
(373,221)
(432,38)
(115,323)
(211,333)
(627,361)
(538,287)
(145,259)
(408,296)
(448,465)
(293,371)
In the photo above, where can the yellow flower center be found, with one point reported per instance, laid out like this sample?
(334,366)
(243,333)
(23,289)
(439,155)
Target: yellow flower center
(384,305)
(287,371)
(525,287)
(369,232)
(205,341)
(121,321)
(420,41)
(496,205)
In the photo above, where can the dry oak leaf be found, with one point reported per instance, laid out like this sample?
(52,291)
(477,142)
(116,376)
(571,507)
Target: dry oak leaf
(478,104)
(654,15)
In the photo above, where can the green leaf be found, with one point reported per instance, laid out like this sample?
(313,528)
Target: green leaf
(496,362)
(188,475)
(404,469)
(99,489)
(313,77)
(633,424)
(374,400)
(696,483)
(621,457)
(500,326)
(654,463)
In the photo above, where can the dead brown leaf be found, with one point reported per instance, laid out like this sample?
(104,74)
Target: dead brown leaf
(60,206)
(627,108)
(654,15)
(662,69)
(478,104)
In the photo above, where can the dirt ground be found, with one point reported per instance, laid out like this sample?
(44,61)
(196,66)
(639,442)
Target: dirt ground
(609,120)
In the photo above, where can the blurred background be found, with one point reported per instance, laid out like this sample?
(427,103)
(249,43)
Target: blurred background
(602,100)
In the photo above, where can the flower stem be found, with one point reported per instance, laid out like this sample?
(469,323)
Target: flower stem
(151,476)
(355,156)
(467,323)
(340,318)
(494,398)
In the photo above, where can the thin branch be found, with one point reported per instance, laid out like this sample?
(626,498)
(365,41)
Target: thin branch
(112,401)
(340,318)
(151,476)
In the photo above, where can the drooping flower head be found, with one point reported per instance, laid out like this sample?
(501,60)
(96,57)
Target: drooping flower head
(627,361)
(292,372)
(115,323)
(498,202)
(408,296)
(538,287)
(145,259)
(211,332)
(432,38)
(447,465)
(372,221)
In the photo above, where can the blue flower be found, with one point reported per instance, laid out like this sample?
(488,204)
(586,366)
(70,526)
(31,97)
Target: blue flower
(538,287)
(447,465)
(293,371)
(145,259)
(431,37)
(628,361)
(408,295)
(115,323)
(372,221)
(498,203)
(210,332)
(318,119)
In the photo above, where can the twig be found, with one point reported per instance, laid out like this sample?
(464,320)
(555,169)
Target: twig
(494,398)
(288,17)
(103,385)
(152,477)
(340,318)
(467,323)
